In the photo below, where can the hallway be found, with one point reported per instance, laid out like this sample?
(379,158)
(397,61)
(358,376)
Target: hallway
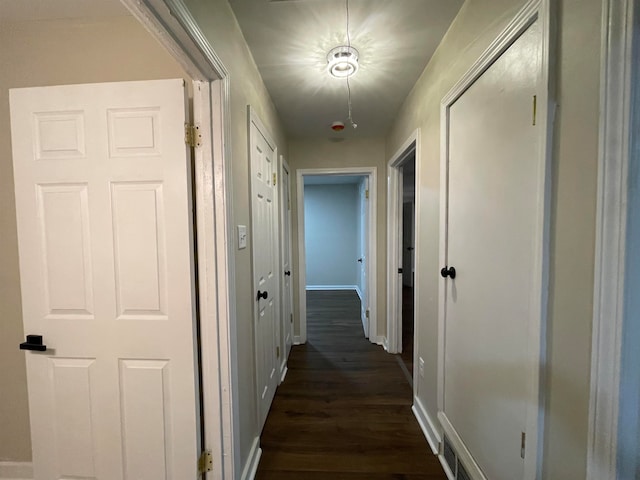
(344,409)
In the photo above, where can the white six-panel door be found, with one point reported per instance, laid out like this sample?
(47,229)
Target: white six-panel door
(287,293)
(494,185)
(102,183)
(264,217)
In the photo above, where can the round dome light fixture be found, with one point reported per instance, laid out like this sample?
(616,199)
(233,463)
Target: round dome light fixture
(343,61)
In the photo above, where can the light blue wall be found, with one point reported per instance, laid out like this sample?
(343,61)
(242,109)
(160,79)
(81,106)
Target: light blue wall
(331,234)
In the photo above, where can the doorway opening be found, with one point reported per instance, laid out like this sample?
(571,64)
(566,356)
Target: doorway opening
(402,217)
(336,241)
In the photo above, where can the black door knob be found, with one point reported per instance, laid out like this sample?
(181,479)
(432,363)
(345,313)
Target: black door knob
(360,260)
(448,272)
(264,295)
(34,342)
(288,273)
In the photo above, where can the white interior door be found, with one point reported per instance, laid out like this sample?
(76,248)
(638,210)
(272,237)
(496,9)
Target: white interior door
(493,203)
(264,216)
(102,183)
(363,258)
(287,291)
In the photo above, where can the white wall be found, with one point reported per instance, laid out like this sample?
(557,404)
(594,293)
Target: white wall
(353,152)
(331,234)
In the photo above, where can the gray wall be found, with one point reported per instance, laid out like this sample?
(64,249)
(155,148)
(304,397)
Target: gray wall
(332,237)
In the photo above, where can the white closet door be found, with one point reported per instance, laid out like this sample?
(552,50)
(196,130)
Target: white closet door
(494,185)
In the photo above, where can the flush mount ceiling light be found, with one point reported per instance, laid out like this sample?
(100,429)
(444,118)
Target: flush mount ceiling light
(343,61)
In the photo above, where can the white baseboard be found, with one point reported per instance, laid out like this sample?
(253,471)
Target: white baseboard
(426,424)
(296,340)
(251,467)
(332,287)
(359,292)
(382,340)
(16,470)
(283,372)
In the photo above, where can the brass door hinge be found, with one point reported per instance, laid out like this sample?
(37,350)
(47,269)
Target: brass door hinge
(278,352)
(291,318)
(366,313)
(366,193)
(192,135)
(535,108)
(205,462)
(274,178)
(523,444)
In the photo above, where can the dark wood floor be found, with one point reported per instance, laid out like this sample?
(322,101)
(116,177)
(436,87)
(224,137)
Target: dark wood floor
(344,409)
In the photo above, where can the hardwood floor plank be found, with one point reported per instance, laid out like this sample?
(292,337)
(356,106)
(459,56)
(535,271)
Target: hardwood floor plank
(344,409)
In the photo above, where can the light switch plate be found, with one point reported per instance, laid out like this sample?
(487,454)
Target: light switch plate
(242,237)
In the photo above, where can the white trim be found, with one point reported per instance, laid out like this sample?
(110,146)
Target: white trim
(394,241)
(283,372)
(533,10)
(426,424)
(358,291)
(334,287)
(16,470)
(176,29)
(286,325)
(371,172)
(253,460)
(381,340)
(609,276)
(464,456)
(297,340)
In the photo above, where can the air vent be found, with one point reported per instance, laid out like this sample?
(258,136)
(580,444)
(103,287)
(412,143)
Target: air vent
(449,455)
(462,473)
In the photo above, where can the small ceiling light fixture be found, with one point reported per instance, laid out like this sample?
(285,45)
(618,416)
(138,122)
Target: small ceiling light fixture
(343,61)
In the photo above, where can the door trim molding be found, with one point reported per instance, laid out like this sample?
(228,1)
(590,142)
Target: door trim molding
(532,11)
(394,245)
(285,211)
(171,23)
(617,137)
(372,173)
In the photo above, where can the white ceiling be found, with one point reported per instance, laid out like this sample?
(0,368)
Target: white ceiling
(290,40)
(24,10)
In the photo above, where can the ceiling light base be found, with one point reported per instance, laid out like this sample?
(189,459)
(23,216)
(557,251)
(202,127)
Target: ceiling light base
(343,61)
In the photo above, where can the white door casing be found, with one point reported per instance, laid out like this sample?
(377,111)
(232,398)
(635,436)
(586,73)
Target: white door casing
(371,172)
(265,260)
(494,231)
(103,203)
(286,273)
(363,259)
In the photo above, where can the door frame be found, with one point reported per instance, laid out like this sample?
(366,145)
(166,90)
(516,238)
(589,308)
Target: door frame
(372,173)
(614,392)
(533,10)
(394,246)
(171,23)
(285,211)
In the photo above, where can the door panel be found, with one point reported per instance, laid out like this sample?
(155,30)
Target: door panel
(103,203)
(287,294)
(265,266)
(494,181)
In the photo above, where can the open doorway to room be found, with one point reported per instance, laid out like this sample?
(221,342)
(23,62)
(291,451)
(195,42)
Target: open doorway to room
(408,260)
(401,254)
(337,244)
